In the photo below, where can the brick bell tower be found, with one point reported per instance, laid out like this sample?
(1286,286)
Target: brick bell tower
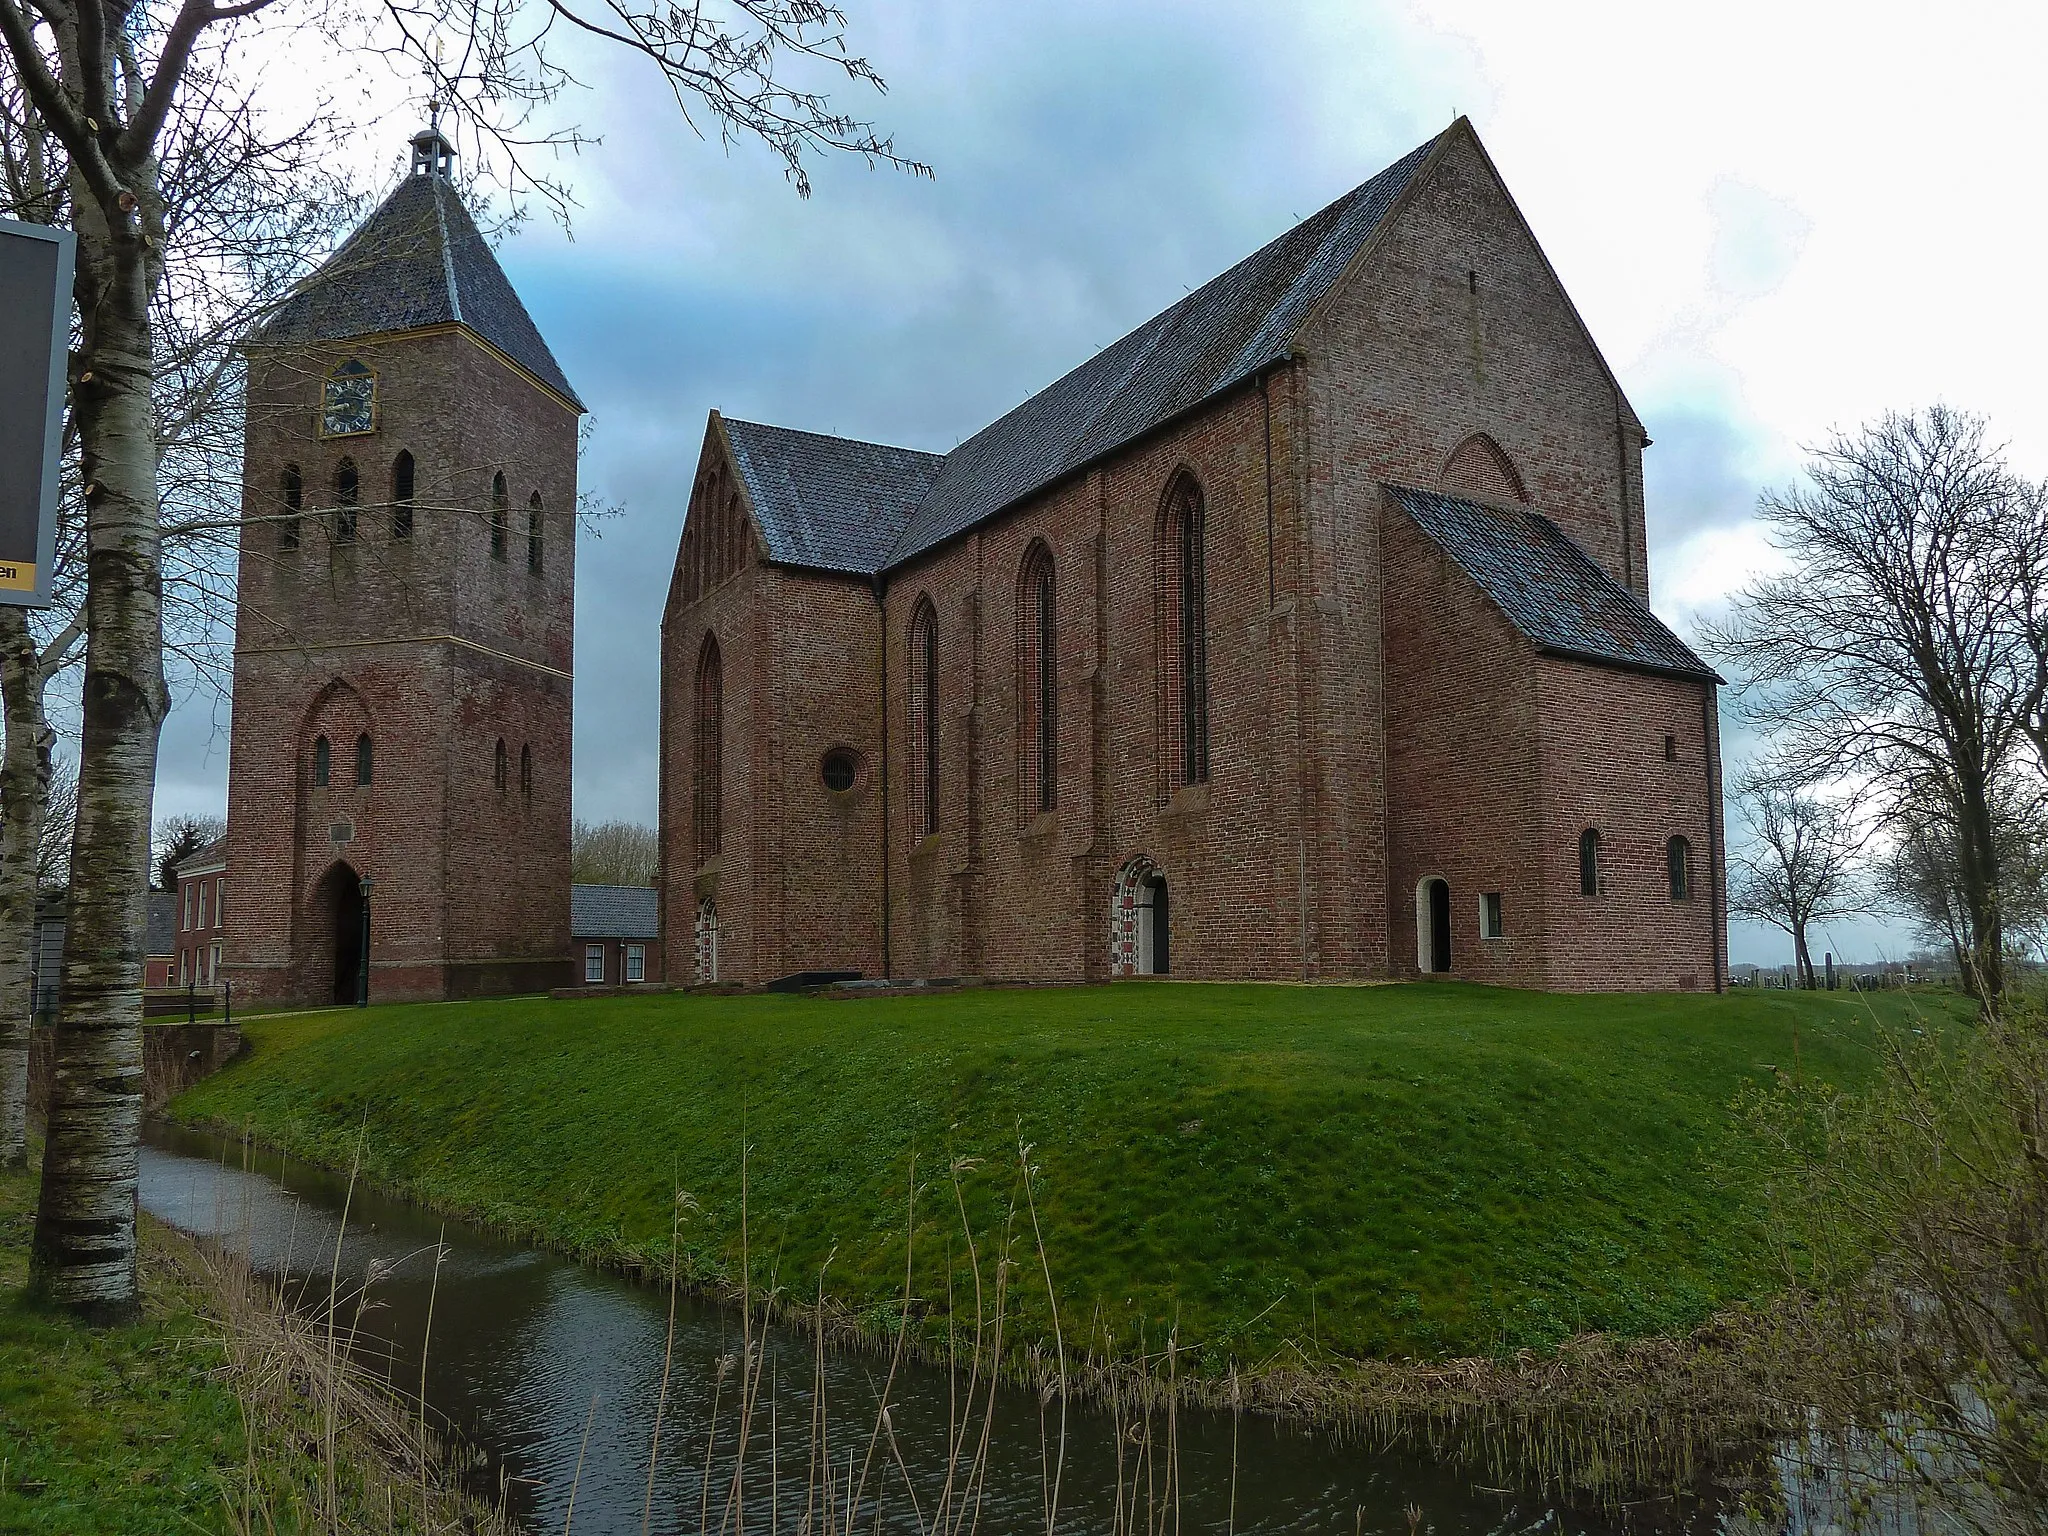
(399,766)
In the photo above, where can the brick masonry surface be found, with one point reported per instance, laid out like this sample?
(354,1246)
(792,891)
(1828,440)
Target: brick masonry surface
(437,647)
(1374,720)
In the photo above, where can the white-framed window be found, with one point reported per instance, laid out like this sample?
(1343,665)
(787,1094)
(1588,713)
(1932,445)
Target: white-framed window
(636,962)
(213,963)
(1492,922)
(187,924)
(220,902)
(593,962)
(184,964)
(202,906)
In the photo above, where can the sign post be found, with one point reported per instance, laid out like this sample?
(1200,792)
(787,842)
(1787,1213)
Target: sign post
(35,313)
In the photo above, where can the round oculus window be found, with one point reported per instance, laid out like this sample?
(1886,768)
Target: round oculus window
(839,768)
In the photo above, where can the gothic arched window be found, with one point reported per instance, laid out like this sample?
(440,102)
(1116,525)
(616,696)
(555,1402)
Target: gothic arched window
(363,758)
(322,760)
(347,492)
(533,530)
(498,765)
(924,718)
(1678,865)
(708,747)
(401,496)
(1181,587)
(501,512)
(291,491)
(1589,862)
(1038,679)
(526,771)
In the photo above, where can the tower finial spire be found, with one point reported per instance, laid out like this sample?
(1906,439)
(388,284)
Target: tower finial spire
(432,153)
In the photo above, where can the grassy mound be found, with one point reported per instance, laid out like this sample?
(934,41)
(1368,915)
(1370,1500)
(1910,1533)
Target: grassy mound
(1384,1171)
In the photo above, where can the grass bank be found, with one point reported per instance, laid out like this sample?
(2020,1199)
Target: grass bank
(205,1416)
(1276,1172)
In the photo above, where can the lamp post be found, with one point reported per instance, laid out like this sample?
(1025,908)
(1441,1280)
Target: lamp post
(363,970)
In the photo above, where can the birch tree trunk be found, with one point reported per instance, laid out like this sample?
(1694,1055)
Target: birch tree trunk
(84,1251)
(24,797)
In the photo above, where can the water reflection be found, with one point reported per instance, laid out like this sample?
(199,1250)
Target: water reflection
(544,1363)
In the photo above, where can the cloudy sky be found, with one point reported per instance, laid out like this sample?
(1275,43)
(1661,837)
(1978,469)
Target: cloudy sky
(1777,218)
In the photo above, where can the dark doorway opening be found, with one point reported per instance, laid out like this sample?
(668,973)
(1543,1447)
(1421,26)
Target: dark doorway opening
(1154,901)
(1437,935)
(341,899)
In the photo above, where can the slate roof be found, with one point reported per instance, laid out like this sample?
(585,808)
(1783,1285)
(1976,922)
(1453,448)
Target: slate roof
(1550,589)
(831,503)
(808,498)
(419,260)
(162,932)
(614,912)
(215,852)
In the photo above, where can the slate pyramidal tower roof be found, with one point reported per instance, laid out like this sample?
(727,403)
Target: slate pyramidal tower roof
(419,261)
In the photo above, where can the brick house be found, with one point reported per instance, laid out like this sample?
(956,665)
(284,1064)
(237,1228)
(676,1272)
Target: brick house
(400,762)
(202,917)
(617,929)
(1301,633)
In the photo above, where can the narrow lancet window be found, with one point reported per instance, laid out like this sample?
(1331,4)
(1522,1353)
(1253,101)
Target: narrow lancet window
(1678,864)
(401,497)
(347,493)
(533,532)
(1182,588)
(501,515)
(1589,862)
(708,759)
(924,719)
(1038,679)
(291,491)
(322,760)
(498,765)
(364,762)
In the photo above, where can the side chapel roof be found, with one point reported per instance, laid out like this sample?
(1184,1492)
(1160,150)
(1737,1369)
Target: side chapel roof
(614,912)
(1219,336)
(1551,590)
(418,261)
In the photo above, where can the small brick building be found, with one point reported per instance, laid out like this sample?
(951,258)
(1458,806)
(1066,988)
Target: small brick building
(1303,632)
(399,768)
(202,916)
(617,929)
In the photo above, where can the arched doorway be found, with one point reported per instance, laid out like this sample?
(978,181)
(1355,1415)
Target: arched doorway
(707,941)
(1154,928)
(1139,921)
(1433,924)
(338,914)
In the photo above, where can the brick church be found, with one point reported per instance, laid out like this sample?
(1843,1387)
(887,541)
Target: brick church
(398,780)
(1301,633)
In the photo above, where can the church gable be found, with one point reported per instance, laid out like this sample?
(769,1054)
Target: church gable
(718,539)
(1457,226)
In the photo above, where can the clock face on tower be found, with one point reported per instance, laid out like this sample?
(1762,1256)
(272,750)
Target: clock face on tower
(348,406)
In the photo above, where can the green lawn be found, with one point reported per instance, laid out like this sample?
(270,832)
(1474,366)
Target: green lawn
(110,1430)
(1383,1171)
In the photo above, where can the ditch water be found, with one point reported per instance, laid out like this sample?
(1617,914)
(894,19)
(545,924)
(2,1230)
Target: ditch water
(552,1370)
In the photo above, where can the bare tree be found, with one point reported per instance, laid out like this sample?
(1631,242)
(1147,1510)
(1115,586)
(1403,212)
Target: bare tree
(1888,657)
(612,853)
(1919,879)
(1799,866)
(177,839)
(242,221)
(101,81)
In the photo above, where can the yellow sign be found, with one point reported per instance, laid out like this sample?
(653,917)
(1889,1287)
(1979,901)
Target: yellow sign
(17,576)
